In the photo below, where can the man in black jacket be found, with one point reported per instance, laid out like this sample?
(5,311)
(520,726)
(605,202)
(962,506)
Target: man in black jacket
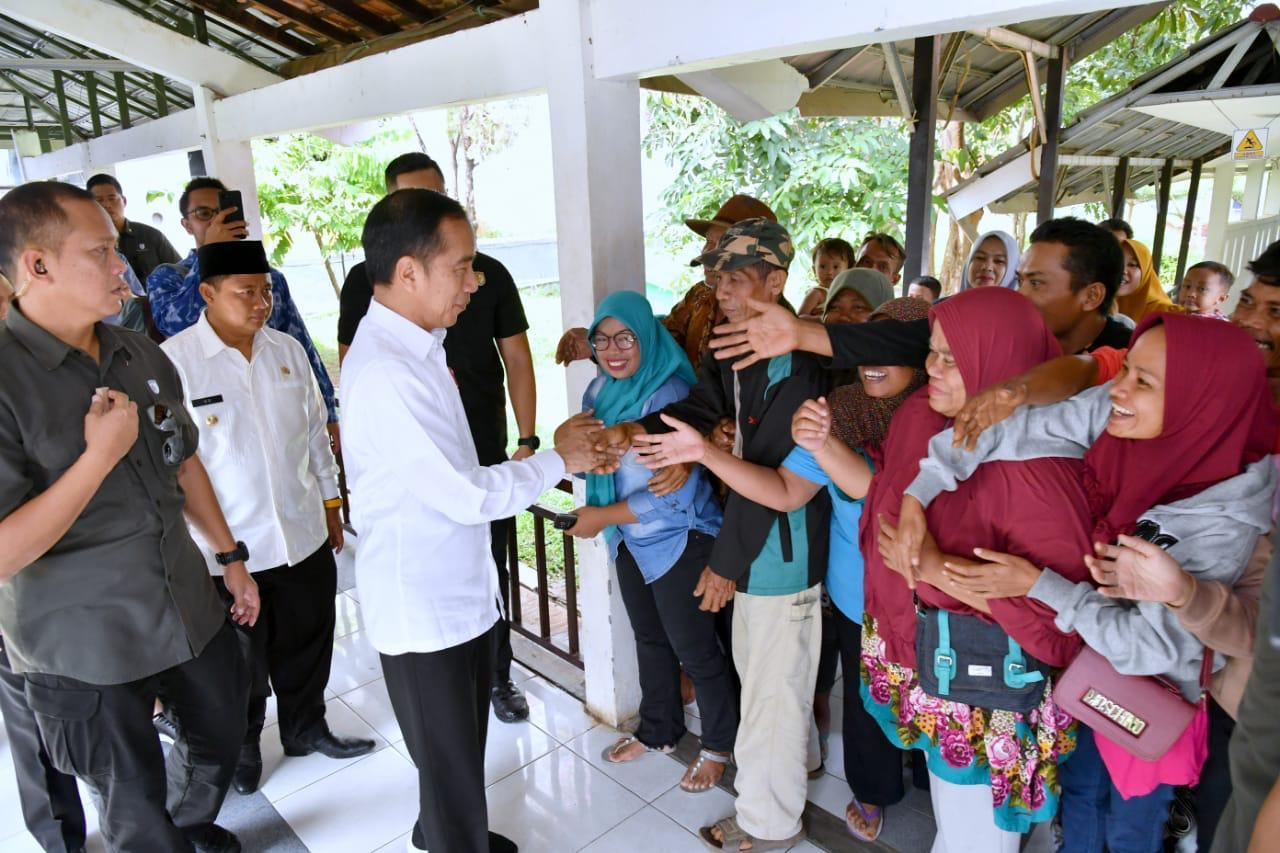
(773,561)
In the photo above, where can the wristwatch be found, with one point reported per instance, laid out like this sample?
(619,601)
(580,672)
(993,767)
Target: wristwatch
(532,442)
(226,558)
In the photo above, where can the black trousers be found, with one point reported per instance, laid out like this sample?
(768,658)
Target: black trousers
(671,631)
(872,764)
(500,532)
(830,655)
(290,647)
(1214,788)
(49,798)
(441,701)
(103,735)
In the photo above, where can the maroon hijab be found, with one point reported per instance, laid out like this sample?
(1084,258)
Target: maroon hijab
(1218,418)
(994,334)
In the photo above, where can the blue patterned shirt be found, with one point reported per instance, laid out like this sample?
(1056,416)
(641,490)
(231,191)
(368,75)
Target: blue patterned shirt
(176,304)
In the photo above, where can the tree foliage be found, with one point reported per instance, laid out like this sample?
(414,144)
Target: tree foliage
(309,185)
(823,177)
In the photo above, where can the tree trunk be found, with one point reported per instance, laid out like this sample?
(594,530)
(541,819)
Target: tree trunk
(328,267)
(1020,229)
(455,142)
(469,184)
(949,176)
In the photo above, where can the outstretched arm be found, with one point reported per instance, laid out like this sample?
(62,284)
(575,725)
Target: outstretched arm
(1050,382)
(776,488)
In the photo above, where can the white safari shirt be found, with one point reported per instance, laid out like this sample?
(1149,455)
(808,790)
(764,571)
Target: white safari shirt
(262,439)
(421,502)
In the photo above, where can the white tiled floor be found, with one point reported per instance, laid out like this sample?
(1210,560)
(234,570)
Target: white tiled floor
(549,789)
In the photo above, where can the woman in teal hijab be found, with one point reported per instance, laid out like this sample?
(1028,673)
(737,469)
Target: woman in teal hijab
(659,545)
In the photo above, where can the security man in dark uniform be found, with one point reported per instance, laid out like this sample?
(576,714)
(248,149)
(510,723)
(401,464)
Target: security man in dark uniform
(105,601)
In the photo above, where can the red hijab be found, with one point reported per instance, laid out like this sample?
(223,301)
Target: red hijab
(1218,418)
(994,334)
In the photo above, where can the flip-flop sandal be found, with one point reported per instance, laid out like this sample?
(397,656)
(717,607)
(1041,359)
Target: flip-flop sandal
(732,836)
(703,755)
(623,743)
(817,773)
(868,814)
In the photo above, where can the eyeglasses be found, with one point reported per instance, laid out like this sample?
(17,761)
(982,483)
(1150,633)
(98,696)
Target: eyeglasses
(174,448)
(203,214)
(624,341)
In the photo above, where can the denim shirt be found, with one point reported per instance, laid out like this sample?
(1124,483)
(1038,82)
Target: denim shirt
(176,304)
(661,529)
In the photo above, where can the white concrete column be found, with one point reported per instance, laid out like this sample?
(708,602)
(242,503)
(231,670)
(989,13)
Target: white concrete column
(1224,175)
(595,135)
(230,162)
(1252,190)
(1271,202)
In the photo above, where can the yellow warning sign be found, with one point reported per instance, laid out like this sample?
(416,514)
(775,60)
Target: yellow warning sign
(1249,144)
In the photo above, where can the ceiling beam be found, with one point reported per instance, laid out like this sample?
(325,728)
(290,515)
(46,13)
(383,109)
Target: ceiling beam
(25,50)
(111,29)
(631,39)
(831,67)
(1008,38)
(41,63)
(375,24)
(278,35)
(358,90)
(36,101)
(174,132)
(893,63)
(315,23)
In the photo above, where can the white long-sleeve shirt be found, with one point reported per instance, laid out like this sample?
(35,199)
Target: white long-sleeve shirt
(421,502)
(262,439)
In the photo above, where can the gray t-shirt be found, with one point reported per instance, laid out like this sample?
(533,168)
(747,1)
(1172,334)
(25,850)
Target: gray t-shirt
(124,594)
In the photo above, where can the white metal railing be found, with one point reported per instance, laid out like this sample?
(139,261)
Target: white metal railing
(1244,241)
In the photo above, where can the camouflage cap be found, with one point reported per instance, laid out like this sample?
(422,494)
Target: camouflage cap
(747,242)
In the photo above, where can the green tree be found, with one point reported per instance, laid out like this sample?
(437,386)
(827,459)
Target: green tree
(309,185)
(824,177)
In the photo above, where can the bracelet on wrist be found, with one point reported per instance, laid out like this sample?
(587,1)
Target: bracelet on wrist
(333,503)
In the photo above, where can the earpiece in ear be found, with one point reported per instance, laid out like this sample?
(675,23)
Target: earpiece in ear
(40,269)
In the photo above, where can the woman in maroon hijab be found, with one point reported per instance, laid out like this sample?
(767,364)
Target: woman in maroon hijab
(1174,453)
(994,771)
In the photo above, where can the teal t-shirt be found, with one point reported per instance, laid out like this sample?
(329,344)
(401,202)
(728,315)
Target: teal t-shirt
(771,572)
(844,566)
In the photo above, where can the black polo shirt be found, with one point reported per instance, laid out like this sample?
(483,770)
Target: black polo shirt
(145,248)
(470,347)
(124,593)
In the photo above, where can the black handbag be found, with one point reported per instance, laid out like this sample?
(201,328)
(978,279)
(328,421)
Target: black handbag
(962,658)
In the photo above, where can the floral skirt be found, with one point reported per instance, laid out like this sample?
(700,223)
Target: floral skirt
(1017,755)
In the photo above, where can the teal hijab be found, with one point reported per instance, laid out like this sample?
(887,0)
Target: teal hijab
(622,400)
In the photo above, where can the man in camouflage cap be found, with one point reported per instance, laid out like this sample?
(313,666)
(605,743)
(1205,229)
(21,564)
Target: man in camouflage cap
(769,563)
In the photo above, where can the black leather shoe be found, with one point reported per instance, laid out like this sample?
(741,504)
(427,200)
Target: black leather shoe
(166,726)
(327,743)
(248,770)
(501,844)
(212,838)
(509,704)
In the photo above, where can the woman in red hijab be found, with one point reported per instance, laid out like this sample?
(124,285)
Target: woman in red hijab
(1174,452)
(980,759)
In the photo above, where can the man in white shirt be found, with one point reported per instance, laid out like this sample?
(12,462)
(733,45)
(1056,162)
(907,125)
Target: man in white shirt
(427,581)
(263,440)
